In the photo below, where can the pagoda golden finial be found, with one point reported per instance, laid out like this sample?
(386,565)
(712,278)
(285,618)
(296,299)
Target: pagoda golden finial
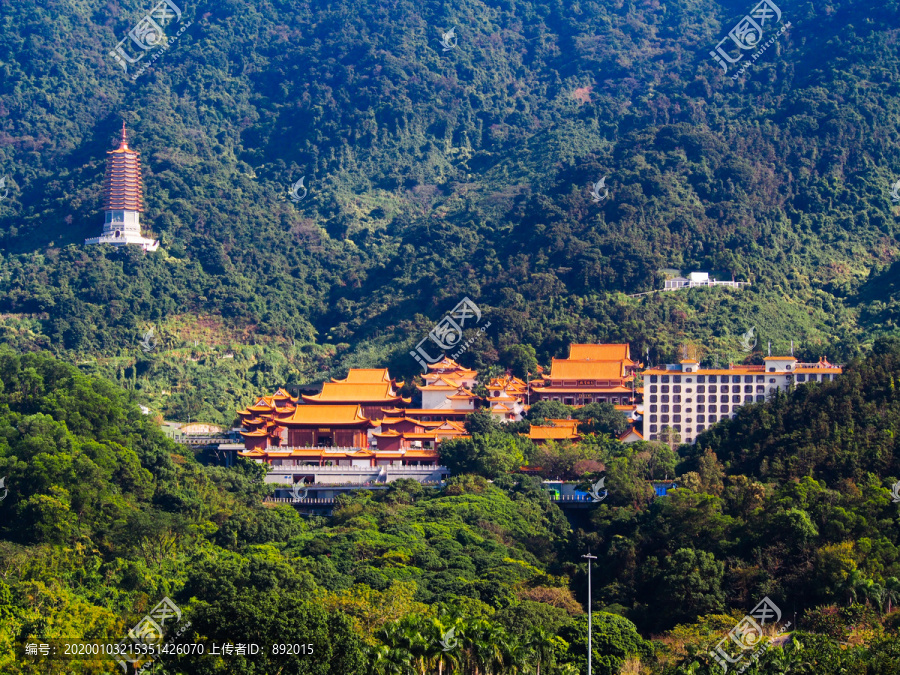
(124,144)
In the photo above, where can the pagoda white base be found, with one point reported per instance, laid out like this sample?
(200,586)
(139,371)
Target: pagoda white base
(125,238)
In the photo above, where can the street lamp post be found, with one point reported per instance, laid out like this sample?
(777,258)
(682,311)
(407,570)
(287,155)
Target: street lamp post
(590,631)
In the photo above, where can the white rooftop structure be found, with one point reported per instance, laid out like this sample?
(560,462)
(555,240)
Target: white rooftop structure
(695,279)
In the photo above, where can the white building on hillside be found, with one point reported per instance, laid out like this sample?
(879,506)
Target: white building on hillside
(689,398)
(695,279)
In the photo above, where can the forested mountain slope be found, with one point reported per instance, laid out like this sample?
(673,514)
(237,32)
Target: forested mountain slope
(101,517)
(435,174)
(794,499)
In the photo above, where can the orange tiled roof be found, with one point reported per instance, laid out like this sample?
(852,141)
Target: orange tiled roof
(438,382)
(252,453)
(348,391)
(449,365)
(326,414)
(304,452)
(568,369)
(509,382)
(397,420)
(282,395)
(420,423)
(449,425)
(615,352)
(263,403)
(365,376)
(552,433)
(565,423)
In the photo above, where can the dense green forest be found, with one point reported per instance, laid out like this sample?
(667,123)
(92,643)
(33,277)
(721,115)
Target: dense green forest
(435,174)
(104,517)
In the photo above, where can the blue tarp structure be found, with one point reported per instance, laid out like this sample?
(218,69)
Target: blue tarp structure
(662,488)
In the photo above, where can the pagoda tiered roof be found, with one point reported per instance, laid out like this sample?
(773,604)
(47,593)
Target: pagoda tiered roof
(122,184)
(509,384)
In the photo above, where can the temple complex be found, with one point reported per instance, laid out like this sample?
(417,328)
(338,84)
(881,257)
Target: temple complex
(123,200)
(591,374)
(363,422)
(507,398)
(359,421)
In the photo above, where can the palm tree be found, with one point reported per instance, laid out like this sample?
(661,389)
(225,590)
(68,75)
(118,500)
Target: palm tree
(400,650)
(484,650)
(876,592)
(443,643)
(416,643)
(891,592)
(514,655)
(541,646)
(852,585)
(870,590)
(497,638)
(390,661)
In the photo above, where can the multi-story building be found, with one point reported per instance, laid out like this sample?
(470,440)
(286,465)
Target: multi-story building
(591,374)
(446,395)
(507,397)
(689,398)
